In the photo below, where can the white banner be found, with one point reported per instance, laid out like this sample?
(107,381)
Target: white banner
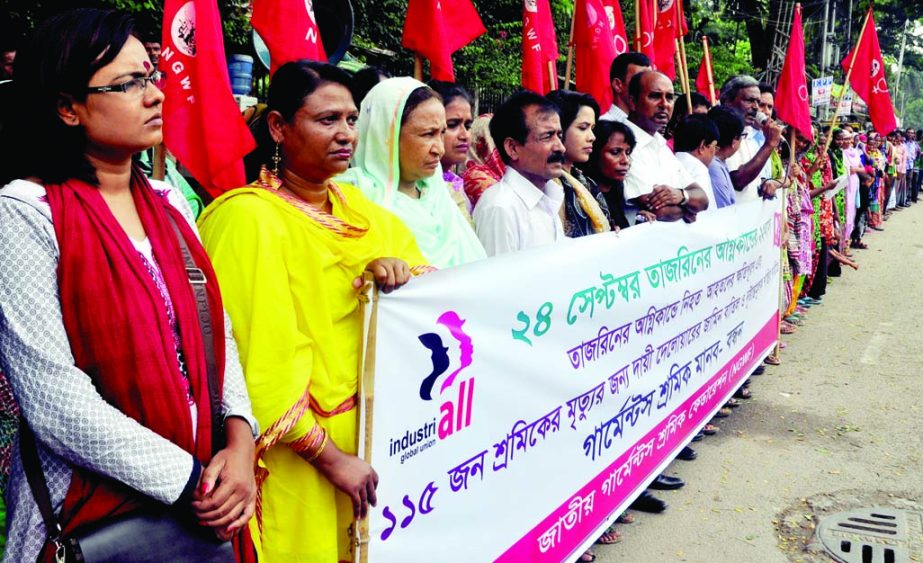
(522,402)
(821,88)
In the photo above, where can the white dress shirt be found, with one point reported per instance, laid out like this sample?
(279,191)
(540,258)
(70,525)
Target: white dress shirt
(652,163)
(748,149)
(514,214)
(615,113)
(699,172)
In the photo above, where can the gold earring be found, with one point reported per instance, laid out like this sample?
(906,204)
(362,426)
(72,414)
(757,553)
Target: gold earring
(276,159)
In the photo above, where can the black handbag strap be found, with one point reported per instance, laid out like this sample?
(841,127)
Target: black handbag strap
(36,478)
(27,447)
(198,280)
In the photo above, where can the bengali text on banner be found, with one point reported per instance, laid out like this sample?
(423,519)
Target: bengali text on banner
(522,402)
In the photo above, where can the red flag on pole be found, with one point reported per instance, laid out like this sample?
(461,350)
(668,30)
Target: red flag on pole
(792,103)
(644,38)
(202,124)
(435,29)
(705,79)
(616,26)
(867,77)
(289,30)
(539,47)
(671,25)
(594,48)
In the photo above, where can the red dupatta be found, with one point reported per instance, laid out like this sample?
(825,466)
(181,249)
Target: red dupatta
(119,334)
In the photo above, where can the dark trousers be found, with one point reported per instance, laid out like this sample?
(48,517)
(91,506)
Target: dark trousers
(915,186)
(862,214)
(819,285)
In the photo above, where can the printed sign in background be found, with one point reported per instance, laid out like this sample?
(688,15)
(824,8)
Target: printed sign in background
(821,89)
(521,403)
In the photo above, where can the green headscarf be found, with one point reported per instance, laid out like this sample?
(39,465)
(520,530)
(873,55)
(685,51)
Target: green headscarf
(443,234)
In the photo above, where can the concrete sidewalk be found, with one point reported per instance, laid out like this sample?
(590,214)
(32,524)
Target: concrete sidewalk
(838,423)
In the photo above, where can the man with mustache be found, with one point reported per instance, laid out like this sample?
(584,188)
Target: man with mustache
(657,180)
(751,167)
(521,210)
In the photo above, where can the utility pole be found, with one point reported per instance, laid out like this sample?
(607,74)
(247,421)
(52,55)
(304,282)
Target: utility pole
(823,50)
(849,26)
(900,59)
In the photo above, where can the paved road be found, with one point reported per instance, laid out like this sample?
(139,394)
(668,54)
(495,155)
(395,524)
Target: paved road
(840,416)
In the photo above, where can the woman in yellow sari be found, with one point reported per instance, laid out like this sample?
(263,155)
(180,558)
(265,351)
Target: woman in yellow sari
(289,250)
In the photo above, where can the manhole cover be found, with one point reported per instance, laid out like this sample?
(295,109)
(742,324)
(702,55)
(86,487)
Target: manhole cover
(873,535)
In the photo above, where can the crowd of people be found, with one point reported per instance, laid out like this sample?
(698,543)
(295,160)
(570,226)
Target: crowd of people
(235,410)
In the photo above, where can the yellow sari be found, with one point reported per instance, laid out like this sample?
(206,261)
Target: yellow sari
(286,279)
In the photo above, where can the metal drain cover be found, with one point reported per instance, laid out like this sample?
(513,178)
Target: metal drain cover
(873,535)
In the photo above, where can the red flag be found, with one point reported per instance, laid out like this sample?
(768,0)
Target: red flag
(202,125)
(868,78)
(705,79)
(671,25)
(539,47)
(289,30)
(644,37)
(594,49)
(617,26)
(435,29)
(792,104)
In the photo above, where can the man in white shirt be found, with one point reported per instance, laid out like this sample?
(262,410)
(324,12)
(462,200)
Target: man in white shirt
(656,180)
(751,170)
(695,141)
(624,68)
(522,209)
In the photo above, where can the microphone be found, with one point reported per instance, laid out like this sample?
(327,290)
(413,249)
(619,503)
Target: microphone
(760,118)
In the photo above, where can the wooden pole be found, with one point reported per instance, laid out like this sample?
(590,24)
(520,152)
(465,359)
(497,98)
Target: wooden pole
(682,52)
(552,76)
(709,72)
(791,165)
(418,67)
(159,162)
(368,297)
(852,63)
(638,39)
(570,50)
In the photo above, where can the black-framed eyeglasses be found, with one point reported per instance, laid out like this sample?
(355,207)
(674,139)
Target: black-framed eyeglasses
(741,136)
(138,84)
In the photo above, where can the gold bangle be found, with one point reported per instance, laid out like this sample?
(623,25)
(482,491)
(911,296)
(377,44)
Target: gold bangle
(319,450)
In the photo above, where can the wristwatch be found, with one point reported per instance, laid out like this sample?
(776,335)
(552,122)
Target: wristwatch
(685,197)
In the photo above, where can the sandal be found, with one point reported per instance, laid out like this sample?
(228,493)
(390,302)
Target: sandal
(626,518)
(743,393)
(587,556)
(773,360)
(732,404)
(710,429)
(788,328)
(609,537)
(723,412)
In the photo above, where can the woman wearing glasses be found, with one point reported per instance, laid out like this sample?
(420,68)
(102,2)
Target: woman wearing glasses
(99,323)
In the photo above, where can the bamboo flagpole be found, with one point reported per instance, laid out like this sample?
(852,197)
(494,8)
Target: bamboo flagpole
(570,48)
(638,39)
(791,165)
(852,63)
(368,297)
(418,67)
(552,79)
(709,72)
(684,67)
(159,162)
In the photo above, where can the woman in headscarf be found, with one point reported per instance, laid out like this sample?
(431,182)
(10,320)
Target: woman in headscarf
(289,250)
(457,102)
(102,334)
(584,211)
(397,165)
(484,167)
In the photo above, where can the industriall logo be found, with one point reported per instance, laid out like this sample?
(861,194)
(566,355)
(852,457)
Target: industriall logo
(454,390)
